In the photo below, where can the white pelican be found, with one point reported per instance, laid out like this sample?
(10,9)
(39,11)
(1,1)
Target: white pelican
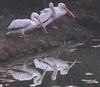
(50,14)
(46,15)
(23,25)
(27,72)
(54,64)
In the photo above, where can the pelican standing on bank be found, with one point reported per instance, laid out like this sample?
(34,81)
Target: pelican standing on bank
(54,64)
(55,12)
(27,72)
(23,25)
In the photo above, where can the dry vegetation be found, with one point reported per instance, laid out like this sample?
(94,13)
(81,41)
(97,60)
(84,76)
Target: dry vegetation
(12,46)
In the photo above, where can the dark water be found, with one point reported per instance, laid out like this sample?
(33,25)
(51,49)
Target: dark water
(90,62)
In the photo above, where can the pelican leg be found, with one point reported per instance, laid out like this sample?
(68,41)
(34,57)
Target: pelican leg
(36,81)
(44,73)
(38,18)
(23,34)
(54,75)
(55,71)
(39,78)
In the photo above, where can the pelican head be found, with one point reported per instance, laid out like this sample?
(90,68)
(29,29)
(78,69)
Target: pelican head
(63,7)
(64,70)
(34,16)
(51,4)
(67,67)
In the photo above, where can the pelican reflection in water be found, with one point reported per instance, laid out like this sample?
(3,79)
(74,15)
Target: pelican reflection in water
(54,64)
(27,72)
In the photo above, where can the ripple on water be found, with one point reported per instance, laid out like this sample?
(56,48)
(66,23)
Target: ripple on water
(90,81)
(1,85)
(56,86)
(71,86)
(89,74)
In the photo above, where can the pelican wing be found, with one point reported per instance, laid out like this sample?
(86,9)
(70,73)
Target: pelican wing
(45,16)
(19,23)
(21,75)
(41,64)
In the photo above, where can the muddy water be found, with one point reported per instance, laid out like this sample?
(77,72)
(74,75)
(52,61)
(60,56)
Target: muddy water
(81,75)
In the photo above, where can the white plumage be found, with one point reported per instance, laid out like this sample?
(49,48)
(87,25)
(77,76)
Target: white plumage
(53,13)
(54,64)
(27,72)
(23,25)
(47,16)
(19,23)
